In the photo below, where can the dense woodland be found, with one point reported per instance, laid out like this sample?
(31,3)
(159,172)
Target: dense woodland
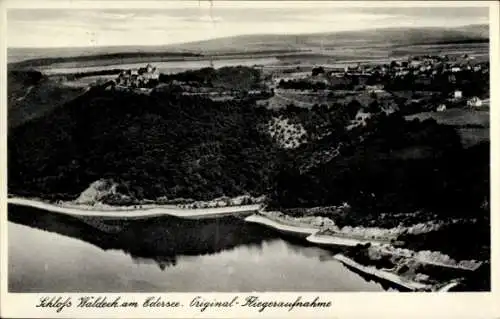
(401,166)
(32,94)
(166,144)
(239,77)
(157,145)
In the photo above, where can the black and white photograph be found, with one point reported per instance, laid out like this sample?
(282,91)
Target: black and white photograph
(274,146)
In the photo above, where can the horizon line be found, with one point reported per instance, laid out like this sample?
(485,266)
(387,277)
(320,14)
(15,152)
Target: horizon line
(249,34)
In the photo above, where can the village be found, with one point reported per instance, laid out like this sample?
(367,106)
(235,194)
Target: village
(417,84)
(432,83)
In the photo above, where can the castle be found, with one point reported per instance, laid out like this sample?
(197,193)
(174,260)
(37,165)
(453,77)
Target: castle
(138,77)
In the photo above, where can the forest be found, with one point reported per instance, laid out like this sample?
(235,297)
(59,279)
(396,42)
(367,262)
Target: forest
(169,145)
(239,77)
(399,166)
(158,145)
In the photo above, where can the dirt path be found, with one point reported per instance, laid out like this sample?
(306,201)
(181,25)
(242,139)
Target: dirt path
(129,212)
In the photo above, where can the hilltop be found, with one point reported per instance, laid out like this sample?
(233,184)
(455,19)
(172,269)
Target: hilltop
(152,145)
(169,145)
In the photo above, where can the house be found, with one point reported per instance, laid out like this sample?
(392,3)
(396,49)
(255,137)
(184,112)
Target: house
(353,69)
(402,73)
(415,63)
(151,74)
(361,117)
(457,94)
(441,108)
(455,69)
(336,72)
(474,102)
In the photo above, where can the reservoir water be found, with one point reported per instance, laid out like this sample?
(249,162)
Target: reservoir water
(56,253)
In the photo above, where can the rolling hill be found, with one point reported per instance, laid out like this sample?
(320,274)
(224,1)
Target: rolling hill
(171,145)
(375,37)
(168,145)
(272,44)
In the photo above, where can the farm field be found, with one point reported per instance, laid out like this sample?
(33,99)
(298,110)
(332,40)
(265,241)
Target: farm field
(473,136)
(88,80)
(164,67)
(456,117)
(473,126)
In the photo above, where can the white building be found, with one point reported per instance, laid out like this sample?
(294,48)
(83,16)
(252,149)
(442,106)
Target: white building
(361,118)
(474,102)
(457,94)
(415,63)
(441,108)
(375,88)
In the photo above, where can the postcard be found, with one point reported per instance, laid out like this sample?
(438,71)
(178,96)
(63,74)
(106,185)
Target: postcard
(249,159)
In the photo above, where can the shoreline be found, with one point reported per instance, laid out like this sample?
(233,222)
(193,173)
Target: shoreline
(329,240)
(301,231)
(381,275)
(392,278)
(312,234)
(127,212)
(309,234)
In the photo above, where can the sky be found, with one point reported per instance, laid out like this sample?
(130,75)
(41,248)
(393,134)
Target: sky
(202,20)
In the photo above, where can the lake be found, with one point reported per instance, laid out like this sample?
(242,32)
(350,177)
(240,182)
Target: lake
(56,253)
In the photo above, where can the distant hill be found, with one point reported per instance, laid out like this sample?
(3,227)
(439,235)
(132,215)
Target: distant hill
(263,43)
(374,37)
(124,57)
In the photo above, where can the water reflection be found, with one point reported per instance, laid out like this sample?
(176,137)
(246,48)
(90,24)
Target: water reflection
(159,239)
(56,253)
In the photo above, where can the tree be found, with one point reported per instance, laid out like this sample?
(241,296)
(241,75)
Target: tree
(318,70)
(374,107)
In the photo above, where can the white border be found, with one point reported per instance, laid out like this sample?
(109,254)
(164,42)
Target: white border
(120,4)
(356,305)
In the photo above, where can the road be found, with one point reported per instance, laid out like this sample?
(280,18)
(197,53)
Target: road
(136,213)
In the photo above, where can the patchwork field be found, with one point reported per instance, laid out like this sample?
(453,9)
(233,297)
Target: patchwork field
(163,66)
(472,125)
